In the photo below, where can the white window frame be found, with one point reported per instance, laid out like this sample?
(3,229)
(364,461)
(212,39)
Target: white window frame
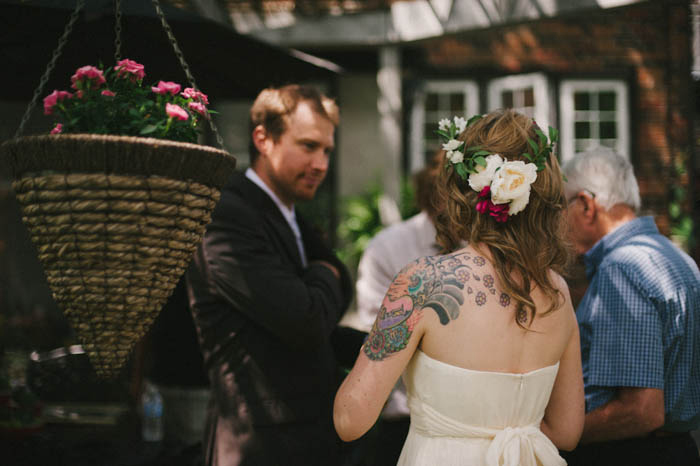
(568,88)
(537,81)
(417,136)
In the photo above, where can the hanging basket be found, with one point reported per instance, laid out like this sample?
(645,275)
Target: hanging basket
(115,221)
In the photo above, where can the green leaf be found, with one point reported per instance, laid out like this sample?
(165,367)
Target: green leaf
(473,148)
(527,156)
(543,138)
(480,161)
(148,129)
(442,133)
(461,170)
(473,119)
(674,210)
(453,131)
(481,152)
(534,146)
(563,177)
(553,134)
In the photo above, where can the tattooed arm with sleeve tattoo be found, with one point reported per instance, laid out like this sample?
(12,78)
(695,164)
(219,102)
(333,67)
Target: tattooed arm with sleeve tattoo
(427,283)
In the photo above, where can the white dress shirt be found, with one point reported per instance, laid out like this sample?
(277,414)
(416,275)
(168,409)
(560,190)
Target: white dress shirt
(288,214)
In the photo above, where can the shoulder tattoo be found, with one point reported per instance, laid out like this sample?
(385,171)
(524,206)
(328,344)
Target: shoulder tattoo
(439,283)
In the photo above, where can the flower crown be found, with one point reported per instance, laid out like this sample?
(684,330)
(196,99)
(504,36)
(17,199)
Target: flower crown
(503,185)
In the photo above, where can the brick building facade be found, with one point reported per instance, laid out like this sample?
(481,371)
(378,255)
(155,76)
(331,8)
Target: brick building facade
(642,52)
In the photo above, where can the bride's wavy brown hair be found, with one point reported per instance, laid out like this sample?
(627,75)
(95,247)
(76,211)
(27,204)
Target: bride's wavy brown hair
(528,244)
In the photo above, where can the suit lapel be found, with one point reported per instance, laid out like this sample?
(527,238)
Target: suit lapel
(276,223)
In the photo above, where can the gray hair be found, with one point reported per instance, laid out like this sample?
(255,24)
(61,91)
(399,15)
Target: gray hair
(606,174)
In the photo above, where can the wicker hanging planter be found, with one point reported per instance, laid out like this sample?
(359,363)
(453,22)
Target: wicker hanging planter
(115,220)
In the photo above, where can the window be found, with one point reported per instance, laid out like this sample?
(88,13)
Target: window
(593,113)
(526,93)
(433,101)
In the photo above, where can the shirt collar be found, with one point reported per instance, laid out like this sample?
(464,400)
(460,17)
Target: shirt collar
(638,226)
(288,213)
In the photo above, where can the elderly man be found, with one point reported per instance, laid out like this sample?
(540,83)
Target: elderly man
(639,321)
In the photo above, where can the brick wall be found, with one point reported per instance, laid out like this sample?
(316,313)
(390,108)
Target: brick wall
(647,44)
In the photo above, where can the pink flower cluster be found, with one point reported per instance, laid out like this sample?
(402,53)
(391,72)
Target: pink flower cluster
(131,69)
(199,103)
(177,112)
(200,100)
(191,93)
(485,206)
(166,87)
(118,101)
(87,77)
(52,99)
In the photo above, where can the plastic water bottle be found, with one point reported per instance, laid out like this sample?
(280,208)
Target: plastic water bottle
(152,414)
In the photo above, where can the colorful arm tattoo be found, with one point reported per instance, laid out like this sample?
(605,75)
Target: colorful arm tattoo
(438,283)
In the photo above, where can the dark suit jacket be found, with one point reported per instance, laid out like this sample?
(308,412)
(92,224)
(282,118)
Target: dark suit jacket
(264,324)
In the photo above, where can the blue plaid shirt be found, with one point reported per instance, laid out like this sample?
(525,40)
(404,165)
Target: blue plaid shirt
(640,321)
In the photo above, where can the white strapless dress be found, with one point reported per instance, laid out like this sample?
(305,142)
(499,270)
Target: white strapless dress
(462,417)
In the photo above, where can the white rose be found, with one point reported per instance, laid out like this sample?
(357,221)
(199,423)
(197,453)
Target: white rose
(451,145)
(455,156)
(461,124)
(444,124)
(512,183)
(484,175)
(518,204)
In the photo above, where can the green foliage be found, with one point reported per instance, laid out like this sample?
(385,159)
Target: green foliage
(360,220)
(681,219)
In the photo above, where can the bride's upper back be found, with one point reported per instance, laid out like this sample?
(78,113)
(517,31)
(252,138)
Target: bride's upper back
(471,321)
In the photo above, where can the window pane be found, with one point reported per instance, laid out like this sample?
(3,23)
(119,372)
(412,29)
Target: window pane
(457,102)
(507,99)
(608,130)
(582,130)
(606,101)
(529,95)
(429,129)
(431,102)
(582,101)
(582,145)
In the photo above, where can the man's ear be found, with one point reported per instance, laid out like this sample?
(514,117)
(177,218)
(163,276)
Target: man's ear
(590,208)
(261,140)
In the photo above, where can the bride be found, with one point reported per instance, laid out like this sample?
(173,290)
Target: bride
(485,335)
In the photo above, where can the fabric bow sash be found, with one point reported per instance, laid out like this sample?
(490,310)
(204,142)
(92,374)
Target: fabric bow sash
(512,446)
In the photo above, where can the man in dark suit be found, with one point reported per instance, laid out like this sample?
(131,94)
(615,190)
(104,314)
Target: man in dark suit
(266,295)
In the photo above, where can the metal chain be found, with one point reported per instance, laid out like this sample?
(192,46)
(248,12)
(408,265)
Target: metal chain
(49,68)
(184,65)
(117,31)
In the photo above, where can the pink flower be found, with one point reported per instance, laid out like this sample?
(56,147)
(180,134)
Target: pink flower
(53,98)
(482,207)
(108,93)
(166,87)
(191,93)
(498,211)
(57,129)
(129,68)
(199,108)
(177,112)
(88,76)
